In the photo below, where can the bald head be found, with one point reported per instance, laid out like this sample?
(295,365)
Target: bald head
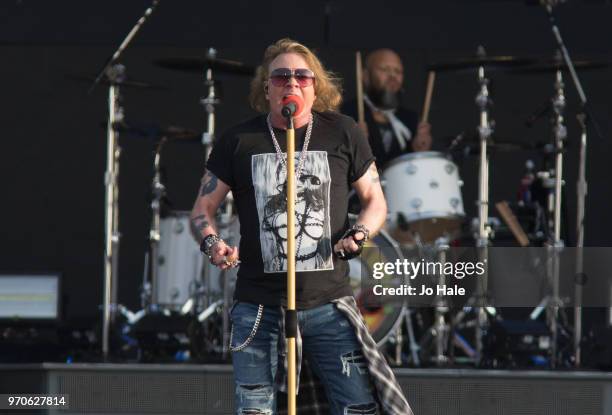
(383,71)
(382,55)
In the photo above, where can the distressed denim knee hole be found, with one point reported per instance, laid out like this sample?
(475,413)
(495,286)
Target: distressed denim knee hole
(255,399)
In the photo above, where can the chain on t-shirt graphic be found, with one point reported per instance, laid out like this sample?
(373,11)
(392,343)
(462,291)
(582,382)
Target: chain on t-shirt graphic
(313,235)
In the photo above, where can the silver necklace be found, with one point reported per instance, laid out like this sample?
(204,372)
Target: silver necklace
(279,153)
(301,160)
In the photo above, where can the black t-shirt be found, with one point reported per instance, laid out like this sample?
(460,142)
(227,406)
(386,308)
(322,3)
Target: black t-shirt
(245,159)
(382,139)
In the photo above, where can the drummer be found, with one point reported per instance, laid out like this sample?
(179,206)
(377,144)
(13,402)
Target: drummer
(392,130)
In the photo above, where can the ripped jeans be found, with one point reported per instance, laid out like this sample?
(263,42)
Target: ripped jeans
(328,343)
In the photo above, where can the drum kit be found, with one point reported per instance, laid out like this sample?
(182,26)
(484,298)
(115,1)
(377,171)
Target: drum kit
(425,206)
(426,211)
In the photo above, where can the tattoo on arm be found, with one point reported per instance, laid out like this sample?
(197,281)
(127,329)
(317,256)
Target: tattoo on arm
(209,184)
(374,173)
(200,223)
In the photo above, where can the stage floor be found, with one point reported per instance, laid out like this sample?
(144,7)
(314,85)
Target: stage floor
(208,389)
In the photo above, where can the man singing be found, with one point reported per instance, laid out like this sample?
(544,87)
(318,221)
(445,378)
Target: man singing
(332,156)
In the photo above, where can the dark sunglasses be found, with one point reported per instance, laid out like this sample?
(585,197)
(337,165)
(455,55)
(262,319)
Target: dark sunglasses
(281,76)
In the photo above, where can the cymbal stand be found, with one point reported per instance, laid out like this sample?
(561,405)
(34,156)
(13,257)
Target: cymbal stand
(116,74)
(151,284)
(583,118)
(208,137)
(406,314)
(485,130)
(477,302)
(581,191)
(560,133)
(555,243)
(209,102)
(201,296)
(440,329)
(208,308)
(586,117)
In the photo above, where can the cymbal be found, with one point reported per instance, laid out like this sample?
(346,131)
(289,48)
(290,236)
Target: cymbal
(199,64)
(551,65)
(490,62)
(470,144)
(150,130)
(131,83)
(174,132)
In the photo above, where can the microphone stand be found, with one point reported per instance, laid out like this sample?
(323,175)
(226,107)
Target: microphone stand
(583,118)
(116,76)
(115,56)
(291,314)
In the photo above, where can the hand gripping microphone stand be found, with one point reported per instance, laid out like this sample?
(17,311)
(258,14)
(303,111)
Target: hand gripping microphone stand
(288,112)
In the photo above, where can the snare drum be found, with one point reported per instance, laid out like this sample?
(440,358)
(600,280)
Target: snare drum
(423,192)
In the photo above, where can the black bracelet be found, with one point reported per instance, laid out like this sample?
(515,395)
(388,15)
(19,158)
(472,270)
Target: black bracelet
(207,244)
(352,231)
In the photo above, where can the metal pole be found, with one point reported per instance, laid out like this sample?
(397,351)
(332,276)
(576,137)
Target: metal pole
(485,130)
(111,218)
(115,73)
(441,328)
(560,134)
(581,191)
(209,102)
(291,312)
(158,190)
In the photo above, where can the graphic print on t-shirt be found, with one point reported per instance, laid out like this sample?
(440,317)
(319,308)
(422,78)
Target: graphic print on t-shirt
(313,234)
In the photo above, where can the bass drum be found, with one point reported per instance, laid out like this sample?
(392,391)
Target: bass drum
(180,261)
(381,317)
(183,268)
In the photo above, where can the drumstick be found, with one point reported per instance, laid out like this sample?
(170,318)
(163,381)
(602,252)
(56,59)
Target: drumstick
(431,77)
(360,114)
(515,227)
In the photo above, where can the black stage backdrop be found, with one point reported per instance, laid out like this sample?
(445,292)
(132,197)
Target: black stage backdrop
(53,143)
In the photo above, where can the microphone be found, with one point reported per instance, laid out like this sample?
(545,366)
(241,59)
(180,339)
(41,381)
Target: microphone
(292,106)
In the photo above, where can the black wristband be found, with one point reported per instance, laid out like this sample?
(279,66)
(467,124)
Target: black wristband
(352,232)
(207,244)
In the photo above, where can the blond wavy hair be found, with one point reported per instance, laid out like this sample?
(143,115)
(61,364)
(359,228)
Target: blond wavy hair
(326,85)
